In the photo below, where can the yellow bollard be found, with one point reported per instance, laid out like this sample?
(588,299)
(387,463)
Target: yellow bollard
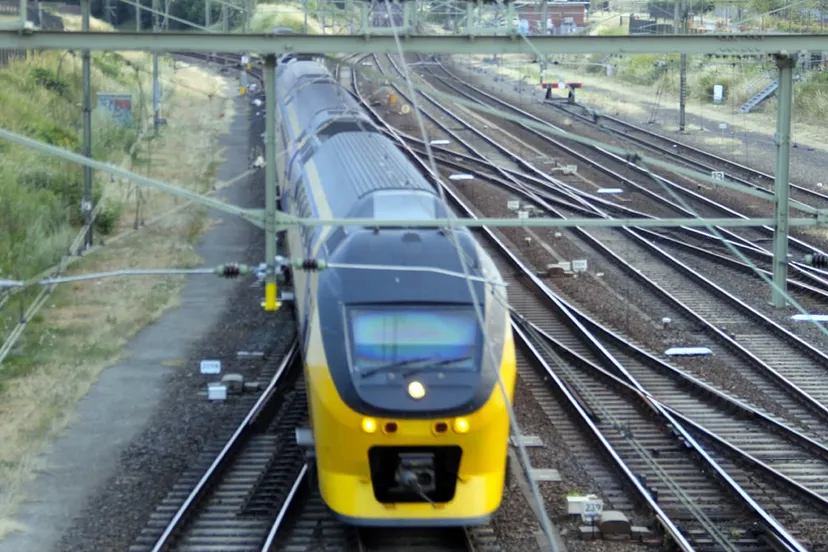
(242,90)
(270,303)
(392,99)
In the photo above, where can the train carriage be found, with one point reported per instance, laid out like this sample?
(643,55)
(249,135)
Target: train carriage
(407,423)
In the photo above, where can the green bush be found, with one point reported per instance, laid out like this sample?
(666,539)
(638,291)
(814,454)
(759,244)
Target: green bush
(107,218)
(45,76)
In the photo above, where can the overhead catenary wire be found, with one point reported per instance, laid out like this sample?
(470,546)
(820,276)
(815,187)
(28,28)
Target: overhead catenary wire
(735,251)
(540,507)
(228,270)
(643,161)
(555,131)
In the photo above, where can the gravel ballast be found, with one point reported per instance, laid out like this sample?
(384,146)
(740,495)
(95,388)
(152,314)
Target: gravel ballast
(185,421)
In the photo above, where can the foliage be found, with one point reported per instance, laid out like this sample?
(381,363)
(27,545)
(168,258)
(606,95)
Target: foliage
(665,9)
(40,195)
(189,10)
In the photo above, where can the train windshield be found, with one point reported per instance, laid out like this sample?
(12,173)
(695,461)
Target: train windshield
(413,337)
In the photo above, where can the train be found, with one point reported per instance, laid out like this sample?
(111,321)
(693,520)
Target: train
(408,425)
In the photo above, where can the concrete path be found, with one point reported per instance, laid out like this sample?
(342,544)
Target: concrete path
(121,403)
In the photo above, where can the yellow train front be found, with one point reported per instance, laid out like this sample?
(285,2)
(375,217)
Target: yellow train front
(408,424)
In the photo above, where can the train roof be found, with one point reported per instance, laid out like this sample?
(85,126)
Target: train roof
(319,102)
(295,72)
(353,165)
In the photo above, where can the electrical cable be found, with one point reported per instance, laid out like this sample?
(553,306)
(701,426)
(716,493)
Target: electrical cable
(735,251)
(540,510)
(555,131)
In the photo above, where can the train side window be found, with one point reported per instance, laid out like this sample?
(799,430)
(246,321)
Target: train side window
(304,209)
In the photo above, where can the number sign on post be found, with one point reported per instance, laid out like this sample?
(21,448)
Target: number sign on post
(592,508)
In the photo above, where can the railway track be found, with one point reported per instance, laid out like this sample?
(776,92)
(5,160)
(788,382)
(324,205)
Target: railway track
(700,300)
(807,279)
(690,156)
(684,503)
(692,240)
(812,285)
(229,505)
(619,170)
(536,144)
(233,503)
(733,430)
(305,523)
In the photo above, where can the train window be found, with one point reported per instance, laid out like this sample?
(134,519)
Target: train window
(335,127)
(335,238)
(404,205)
(304,208)
(402,337)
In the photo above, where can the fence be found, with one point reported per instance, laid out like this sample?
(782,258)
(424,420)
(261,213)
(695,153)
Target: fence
(36,16)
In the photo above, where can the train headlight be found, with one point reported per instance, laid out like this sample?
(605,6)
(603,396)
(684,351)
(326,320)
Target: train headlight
(416,390)
(369,425)
(461,425)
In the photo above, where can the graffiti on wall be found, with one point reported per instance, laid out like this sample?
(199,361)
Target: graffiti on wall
(119,107)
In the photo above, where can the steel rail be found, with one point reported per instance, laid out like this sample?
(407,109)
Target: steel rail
(542,189)
(559,184)
(648,399)
(585,417)
(739,239)
(546,188)
(766,229)
(802,268)
(771,523)
(278,521)
(595,164)
(684,146)
(226,455)
(788,335)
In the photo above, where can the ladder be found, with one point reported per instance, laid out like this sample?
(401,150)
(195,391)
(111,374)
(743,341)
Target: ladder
(760,97)
(656,104)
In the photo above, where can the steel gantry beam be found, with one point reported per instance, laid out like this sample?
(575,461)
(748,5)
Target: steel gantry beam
(739,44)
(283,221)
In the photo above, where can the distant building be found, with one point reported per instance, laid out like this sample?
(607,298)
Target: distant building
(562,17)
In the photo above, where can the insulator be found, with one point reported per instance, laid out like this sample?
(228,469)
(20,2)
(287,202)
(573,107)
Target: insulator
(819,260)
(312,264)
(231,270)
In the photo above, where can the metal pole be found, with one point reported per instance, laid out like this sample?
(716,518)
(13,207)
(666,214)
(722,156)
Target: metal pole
(305,9)
(86,203)
(544,18)
(781,181)
(156,94)
(271,175)
(224,25)
(682,91)
(207,20)
(156,25)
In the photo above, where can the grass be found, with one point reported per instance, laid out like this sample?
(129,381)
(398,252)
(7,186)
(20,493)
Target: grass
(283,15)
(632,90)
(83,326)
